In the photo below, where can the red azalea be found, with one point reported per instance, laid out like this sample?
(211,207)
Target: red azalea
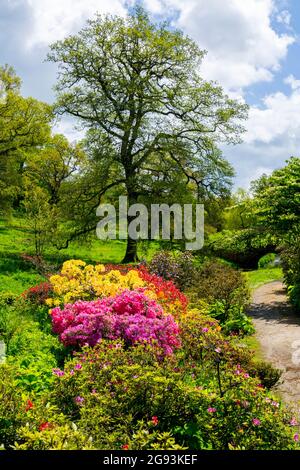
(125,446)
(45,426)
(154,420)
(29,405)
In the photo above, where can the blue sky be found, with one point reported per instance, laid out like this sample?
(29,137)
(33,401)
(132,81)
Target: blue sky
(253,52)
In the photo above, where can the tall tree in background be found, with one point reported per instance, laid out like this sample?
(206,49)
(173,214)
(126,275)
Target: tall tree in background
(136,88)
(277,202)
(24,125)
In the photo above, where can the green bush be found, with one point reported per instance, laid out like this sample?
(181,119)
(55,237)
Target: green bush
(218,282)
(290,258)
(266,261)
(267,374)
(34,372)
(11,416)
(108,391)
(179,267)
(242,247)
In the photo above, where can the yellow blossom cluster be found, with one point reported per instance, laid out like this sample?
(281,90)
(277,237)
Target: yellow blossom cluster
(79,281)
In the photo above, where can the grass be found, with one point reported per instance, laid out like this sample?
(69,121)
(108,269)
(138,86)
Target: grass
(15,239)
(263,276)
(252,343)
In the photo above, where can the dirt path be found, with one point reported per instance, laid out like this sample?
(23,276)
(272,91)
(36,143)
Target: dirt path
(278,331)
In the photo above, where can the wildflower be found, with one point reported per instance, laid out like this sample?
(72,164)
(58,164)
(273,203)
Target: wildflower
(94,391)
(154,420)
(29,405)
(79,400)
(218,350)
(296,437)
(125,446)
(211,410)
(275,403)
(293,422)
(72,372)
(78,366)
(246,376)
(256,422)
(45,426)
(58,372)
(204,330)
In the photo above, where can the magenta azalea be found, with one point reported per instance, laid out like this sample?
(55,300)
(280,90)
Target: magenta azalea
(131,316)
(256,422)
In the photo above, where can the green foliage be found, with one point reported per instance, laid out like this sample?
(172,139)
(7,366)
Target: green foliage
(239,215)
(233,321)
(290,257)
(178,267)
(242,247)
(268,375)
(10,406)
(24,125)
(64,437)
(217,281)
(277,199)
(267,261)
(34,371)
(155,133)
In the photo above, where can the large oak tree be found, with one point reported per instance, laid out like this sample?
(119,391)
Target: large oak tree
(136,87)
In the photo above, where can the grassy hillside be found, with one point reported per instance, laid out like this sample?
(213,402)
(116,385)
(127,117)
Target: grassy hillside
(15,239)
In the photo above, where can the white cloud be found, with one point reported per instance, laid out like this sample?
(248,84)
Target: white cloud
(243,48)
(279,118)
(67,127)
(284,17)
(54,19)
(293,82)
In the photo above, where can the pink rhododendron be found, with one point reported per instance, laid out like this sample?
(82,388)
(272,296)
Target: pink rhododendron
(131,316)
(256,422)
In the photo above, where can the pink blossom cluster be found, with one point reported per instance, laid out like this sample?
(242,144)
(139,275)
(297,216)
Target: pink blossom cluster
(131,316)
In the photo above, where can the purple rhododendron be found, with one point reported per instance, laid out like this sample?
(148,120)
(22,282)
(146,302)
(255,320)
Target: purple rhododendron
(131,316)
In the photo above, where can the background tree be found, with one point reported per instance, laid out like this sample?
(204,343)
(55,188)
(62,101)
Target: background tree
(50,180)
(24,124)
(239,213)
(277,201)
(136,88)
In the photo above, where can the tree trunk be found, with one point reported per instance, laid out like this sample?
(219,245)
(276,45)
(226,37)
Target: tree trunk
(131,255)
(131,252)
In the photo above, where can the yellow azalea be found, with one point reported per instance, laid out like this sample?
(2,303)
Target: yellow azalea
(81,281)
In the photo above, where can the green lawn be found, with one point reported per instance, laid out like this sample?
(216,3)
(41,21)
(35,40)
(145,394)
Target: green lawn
(260,277)
(15,239)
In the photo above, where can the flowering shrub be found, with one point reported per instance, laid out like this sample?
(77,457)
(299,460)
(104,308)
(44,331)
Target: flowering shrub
(166,291)
(79,281)
(131,316)
(179,268)
(120,387)
(38,294)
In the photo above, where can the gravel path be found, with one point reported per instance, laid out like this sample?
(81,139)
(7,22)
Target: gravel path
(278,331)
